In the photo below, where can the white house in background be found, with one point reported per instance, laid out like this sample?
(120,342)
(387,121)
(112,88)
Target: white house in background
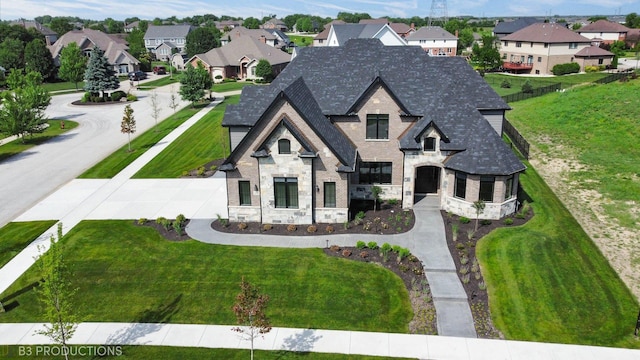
(339,34)
(604,31)
(435,40)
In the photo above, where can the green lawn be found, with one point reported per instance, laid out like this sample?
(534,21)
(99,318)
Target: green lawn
(121,158)
(128,273)
(164,80)
(17,146)
(205,141)
(566,81)
(607,119)
(548,281)
(302,40)
(181,353)
(231,86)
(61,86)
(15,236)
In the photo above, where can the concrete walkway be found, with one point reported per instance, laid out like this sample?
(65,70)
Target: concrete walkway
(426,240)
(311,340)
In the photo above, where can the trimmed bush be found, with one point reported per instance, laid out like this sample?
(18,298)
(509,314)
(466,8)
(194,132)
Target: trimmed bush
(117,95)
(527,88)
(311,229)
(372,245)
(505,84)
(567,68)
(464,220)
(361,244)
(131,97)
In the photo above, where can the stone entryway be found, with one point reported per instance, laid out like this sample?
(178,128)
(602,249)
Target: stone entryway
(427,182)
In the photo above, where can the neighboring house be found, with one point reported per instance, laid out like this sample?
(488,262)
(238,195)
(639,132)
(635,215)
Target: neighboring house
(537,48)
(593,56)
(179,61)
(50,36)
(115,48)
(321,38)
(604,31)
(258,34)
(340,120)
(504,28)
(174,35)
(403,30)
(435,40)
(282,40)
(274,24)
(226,25)
(132,26)
(239,58)
(165,50)
(339,34)
(633,38)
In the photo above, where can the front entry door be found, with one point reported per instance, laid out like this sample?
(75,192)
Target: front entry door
(427,180)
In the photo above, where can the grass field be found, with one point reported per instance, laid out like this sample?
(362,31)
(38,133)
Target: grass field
(60,86)
(164,80)
(15,236)
(548,281)
(17,146)
(181,353)
(205,141)
(231,86)
(566,81)
(302,40)
(121,158)
(128,273)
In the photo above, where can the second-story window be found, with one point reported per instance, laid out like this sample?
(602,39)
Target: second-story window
(377,126)
(284,146)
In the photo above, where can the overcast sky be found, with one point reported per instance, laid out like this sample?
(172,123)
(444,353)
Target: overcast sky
(149,9)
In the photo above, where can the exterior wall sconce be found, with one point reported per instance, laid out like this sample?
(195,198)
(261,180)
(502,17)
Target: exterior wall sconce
(317,188)
(255,187)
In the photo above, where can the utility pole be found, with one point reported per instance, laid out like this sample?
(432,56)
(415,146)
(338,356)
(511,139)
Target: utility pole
(438,12)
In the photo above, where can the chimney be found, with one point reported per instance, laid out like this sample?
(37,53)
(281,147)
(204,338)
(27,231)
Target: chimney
(263,39)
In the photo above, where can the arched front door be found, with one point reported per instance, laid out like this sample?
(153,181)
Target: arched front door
(427,181)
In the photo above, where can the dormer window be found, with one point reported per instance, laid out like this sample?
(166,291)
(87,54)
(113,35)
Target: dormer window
(284,146)
(377,126)
(429,144)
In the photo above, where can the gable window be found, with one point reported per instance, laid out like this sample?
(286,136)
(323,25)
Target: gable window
(519,44)
(508,188)
(573,45)
(506,43)
(244,189)
(330,194)
(286,192)
(430,144)
(375,173)
(284,146)
(460,185)
(486,188)
(377,126)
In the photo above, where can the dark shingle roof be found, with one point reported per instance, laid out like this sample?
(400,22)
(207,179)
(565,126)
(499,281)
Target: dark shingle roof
(509,27)
(325,81)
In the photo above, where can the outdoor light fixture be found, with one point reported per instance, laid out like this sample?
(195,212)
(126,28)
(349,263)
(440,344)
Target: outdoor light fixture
(255,187)
(317,188)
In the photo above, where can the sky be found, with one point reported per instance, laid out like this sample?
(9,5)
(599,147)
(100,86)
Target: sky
(149,9)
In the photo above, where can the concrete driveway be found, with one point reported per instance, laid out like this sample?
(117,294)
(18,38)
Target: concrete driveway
(32,175)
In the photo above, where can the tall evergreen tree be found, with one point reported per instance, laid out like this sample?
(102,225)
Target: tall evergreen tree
(38,58)
(73,64)
(99,76)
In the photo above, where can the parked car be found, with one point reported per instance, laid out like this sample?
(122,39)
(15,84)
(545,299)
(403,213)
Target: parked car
(160,70)
(137,75)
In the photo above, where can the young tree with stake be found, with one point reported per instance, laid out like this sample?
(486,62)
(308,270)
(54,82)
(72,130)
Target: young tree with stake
(250,309)
(479,206)
(128,124)
(155,107)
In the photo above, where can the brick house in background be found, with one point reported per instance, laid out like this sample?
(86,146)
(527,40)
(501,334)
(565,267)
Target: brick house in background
(413,124)
(537,48)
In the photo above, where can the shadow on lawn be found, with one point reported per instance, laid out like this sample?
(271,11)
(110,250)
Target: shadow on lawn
(14,304)
(146,323)
(300,342)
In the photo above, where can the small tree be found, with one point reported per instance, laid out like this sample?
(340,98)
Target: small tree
(250,309)
(173,103)
(128,124)
(99,75)
(155,107)
(22,111)
(264,70)
(376,191)
(72,64)
(194,82)
(56,294)
(479,206)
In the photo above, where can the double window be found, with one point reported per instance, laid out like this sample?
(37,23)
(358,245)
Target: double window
(377,126)
(573,45)
(286,192)
(486,188)
(375,173)
(329,194)
(244,188)
(460,186)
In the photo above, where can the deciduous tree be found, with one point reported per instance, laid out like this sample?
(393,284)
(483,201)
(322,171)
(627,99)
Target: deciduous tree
(201,40)
(155,106)
(128,124)
(60,25)
(250,310)
(99,76)
(73,64)
(12,54)
(251,23)
(487,56)
(264,70)
(38,58)
(194,82)
(479,207)
(23,107)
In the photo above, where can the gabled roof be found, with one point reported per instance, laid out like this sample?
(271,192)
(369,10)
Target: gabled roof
(401,28)
(443,91)
(115,48)
(35,25)
(133,25)
(345,32)
(308,147)
(167,31)
(604,26)
(277,33)
(546,33)
(431,33)
(509,27)
(594,51)
(244,46)
(239,31)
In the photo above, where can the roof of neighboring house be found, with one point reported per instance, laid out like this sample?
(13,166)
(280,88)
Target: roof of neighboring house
(279,34)
(239,31)
(374,21)
(275,21)
(133,25)
(604,26)
(167,31)
(345,32)
(333,22)
(114,47)
(231,53)
(633,34)
(400,28)
(509,27)
(36,25)
(437,90)
(167,43)
(431,33)
(546,33)
(593,51)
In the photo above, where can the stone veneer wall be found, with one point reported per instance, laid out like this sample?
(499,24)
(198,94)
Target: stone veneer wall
(497,209)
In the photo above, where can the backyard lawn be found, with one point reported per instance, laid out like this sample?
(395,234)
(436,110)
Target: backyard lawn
(17,146)
(128,273)
(206,140)
(566,81)
(15,236)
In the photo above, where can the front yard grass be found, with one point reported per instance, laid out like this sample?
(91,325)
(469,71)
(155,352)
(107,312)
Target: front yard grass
(121,158)
(205,141)
(129,273)
(17,146)
(164,80)
(549,282)
(15,236)
(231,86)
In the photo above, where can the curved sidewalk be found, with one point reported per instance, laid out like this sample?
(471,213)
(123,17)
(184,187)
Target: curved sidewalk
(426,240)
(312,340)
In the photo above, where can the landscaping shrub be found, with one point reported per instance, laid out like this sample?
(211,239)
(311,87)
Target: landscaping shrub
(311,229)
(267,227)
(591,68)
(364,254)
(527,88)
(360,215)
(86,97)
(393,202)
(142,221)
(181,218)
(201,170)
(485,222)
(508,221)
(505,84)
(242,226)
(403,253)
(335,248)
(464,220)
(385,248)
(396,248)
(177,227)
(329,229)
(117,95)
(372,245)
(346,253)
(131,97)
(567,68)
(291,228)
(162,221)
(361,244)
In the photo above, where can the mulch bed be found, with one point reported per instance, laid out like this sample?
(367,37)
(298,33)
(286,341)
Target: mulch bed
(206,170)
(463,251)
(168,233)
(389,219)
